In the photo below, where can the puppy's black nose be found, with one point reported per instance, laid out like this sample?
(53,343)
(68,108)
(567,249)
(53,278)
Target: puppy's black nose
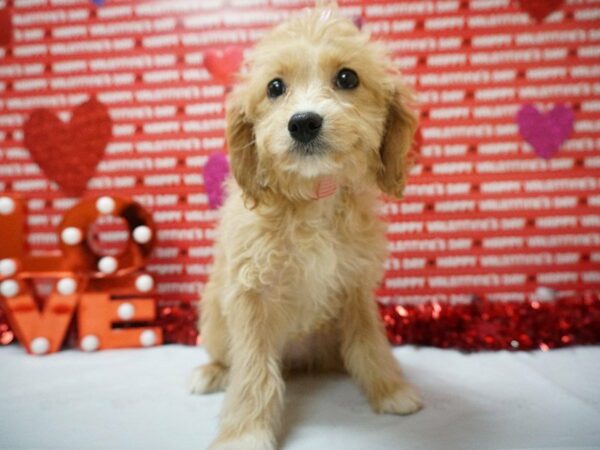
(305,126)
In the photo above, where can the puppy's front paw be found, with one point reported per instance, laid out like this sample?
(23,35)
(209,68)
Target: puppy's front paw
(207,379)
(405,400)
(247,441)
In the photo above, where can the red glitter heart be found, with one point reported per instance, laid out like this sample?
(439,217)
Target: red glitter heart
(540,9)
(224,64)
(69,153)
(5,27)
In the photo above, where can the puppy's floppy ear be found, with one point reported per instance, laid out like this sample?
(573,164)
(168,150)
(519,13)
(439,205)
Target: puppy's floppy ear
(397,142)
(242,150)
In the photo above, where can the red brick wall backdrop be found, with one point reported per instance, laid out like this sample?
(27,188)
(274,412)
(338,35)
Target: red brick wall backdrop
(504,199)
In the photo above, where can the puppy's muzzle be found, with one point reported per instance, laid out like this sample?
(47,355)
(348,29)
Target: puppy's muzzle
(305,126)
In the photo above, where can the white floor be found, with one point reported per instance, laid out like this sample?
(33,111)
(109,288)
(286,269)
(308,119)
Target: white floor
(136,399)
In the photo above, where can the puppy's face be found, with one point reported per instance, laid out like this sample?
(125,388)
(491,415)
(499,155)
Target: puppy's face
(319,100)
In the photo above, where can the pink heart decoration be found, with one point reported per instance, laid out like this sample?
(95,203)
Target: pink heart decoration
(224,64)
(545,132)
(69,153)
(540,9)
(216,170)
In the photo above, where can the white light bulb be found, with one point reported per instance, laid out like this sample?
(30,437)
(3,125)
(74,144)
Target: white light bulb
(105,205)
(71,236)
(126,311)
(90,343)
(144,283)
(142,234)
(9,288)
(148,338)
(7,206)
(66,286)
(8,267)
(39,346)
(108,265)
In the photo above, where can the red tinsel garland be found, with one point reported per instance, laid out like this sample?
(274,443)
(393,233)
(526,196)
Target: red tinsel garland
(492,325)
(179,323)
(479,325)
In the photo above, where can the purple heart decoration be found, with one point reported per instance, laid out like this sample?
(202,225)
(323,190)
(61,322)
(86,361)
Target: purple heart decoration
(545,132)
(216,170)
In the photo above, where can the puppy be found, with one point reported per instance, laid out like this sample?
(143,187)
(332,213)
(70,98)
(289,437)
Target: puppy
(316,129)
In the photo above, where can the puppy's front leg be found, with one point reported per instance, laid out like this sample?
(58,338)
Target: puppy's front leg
(369,360)
(254,398)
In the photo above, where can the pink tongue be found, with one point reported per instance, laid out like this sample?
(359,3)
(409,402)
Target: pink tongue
(325,187)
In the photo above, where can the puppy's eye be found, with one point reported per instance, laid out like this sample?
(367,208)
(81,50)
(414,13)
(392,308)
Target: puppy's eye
(275,88)
(346,79)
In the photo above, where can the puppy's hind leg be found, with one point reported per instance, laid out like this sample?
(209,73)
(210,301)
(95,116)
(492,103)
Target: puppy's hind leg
(212,377)
(369,360)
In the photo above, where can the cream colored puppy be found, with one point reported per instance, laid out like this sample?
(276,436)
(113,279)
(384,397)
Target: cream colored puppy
(316,128)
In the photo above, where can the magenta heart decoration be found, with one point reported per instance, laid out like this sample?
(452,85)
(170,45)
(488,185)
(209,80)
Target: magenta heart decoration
(216,170)
(358,22)
(545,132)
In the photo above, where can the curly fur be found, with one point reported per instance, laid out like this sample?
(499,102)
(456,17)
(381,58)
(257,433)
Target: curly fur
(293,276)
